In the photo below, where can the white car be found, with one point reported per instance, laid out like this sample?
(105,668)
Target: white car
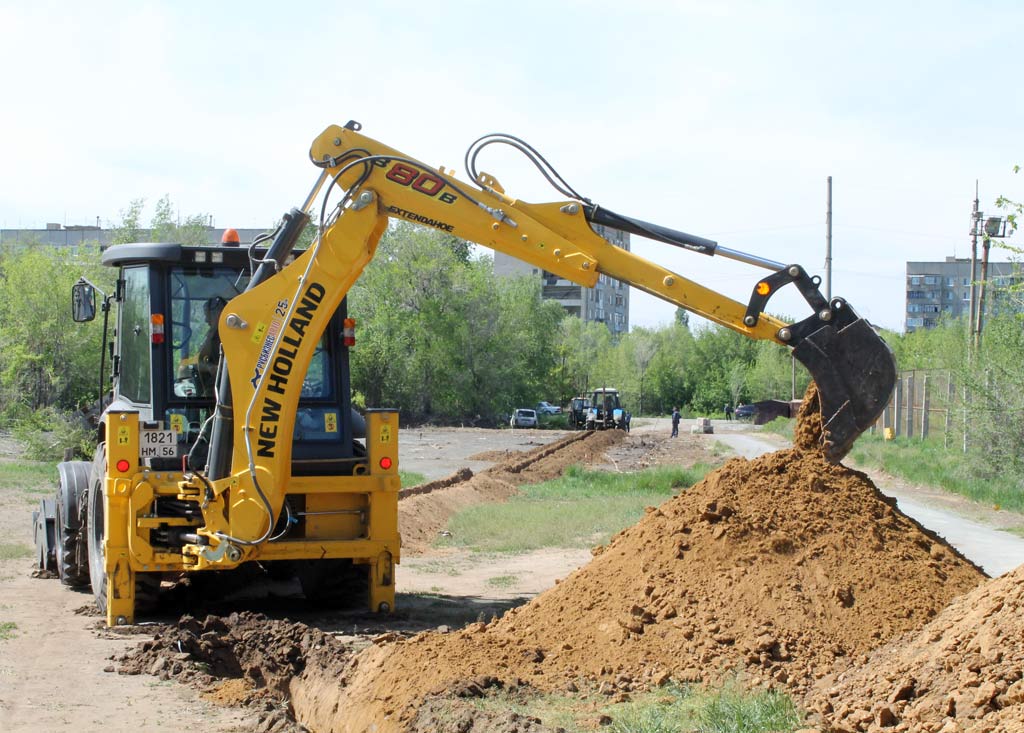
(524,418)
(546,408)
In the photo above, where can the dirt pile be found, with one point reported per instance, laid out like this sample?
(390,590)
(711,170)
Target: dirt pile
(780,567)
(963,671)
(425,510)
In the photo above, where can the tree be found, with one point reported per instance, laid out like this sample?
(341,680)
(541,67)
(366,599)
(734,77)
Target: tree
(130,227)
(166,226)
(644,347)
(444,338)
(44,359)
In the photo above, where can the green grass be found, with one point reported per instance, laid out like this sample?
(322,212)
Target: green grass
(35,478)
(727,708)
(554,422)
(411,478)
(927,462)
(503,581)
(7,630)
(14,551)
(781,426)
(580,509)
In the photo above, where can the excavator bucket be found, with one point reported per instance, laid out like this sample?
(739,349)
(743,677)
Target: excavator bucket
(855,372)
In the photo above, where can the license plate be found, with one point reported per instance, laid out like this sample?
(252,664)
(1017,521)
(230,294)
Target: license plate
(158,444)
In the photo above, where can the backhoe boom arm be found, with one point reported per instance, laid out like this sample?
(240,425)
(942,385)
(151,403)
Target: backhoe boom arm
(269,332)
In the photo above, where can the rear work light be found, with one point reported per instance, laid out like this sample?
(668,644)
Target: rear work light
(157,327)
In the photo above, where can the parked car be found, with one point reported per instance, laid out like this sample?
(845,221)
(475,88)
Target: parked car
(745,412)
(524,418)
(546,408)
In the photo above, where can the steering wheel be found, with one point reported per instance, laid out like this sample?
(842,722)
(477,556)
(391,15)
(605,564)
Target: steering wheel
(182,331)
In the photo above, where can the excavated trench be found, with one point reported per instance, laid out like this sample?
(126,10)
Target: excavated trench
(790,570)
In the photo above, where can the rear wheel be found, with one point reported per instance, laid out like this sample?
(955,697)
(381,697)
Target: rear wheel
(70,552)
(147,585)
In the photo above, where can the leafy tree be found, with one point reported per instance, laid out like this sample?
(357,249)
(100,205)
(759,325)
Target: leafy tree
(45,360)
(129,229)
(444,338)
(771,374)
(166,227)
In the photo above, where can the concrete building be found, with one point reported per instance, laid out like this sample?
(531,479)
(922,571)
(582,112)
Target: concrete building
(607,302)
(58,235)
(943,289)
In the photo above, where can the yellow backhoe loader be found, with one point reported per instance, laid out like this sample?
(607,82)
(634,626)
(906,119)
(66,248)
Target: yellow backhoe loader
(209,463)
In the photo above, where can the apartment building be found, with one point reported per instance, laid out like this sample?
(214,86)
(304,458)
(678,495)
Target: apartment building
(607,302)
(943,289)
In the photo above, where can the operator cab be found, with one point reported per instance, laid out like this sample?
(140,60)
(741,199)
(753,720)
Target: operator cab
(166,355)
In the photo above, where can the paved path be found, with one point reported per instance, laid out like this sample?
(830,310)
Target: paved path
(995,551)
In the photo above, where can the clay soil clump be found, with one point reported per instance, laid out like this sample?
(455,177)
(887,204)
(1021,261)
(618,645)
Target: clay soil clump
(779,567)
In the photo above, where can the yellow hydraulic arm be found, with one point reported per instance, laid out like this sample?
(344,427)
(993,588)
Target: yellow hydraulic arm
(269,332)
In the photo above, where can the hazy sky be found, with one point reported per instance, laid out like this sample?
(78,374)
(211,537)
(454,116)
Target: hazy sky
(721,119)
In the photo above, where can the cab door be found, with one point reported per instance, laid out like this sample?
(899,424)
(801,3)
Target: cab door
(134,339)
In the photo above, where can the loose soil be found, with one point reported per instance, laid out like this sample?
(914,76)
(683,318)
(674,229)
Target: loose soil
(779,567)
(962,671)
(786,569)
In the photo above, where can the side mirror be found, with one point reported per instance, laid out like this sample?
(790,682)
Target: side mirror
(83,302)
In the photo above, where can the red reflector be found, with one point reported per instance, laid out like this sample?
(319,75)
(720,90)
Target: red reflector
(123,466)
(385,463)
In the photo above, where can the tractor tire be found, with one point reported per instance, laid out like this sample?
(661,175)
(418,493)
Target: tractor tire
(147,585)
(70,550)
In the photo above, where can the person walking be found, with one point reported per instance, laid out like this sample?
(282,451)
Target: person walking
(675,422)
(728,411)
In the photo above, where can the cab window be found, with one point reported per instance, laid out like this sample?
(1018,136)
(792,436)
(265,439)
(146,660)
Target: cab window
(136,348)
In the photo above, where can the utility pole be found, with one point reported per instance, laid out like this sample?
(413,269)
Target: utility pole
(975,219)
(828,242)
(995,228)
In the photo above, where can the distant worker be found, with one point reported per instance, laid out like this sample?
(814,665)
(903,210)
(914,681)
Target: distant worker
(230,238)
(675,422)
(728,411)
